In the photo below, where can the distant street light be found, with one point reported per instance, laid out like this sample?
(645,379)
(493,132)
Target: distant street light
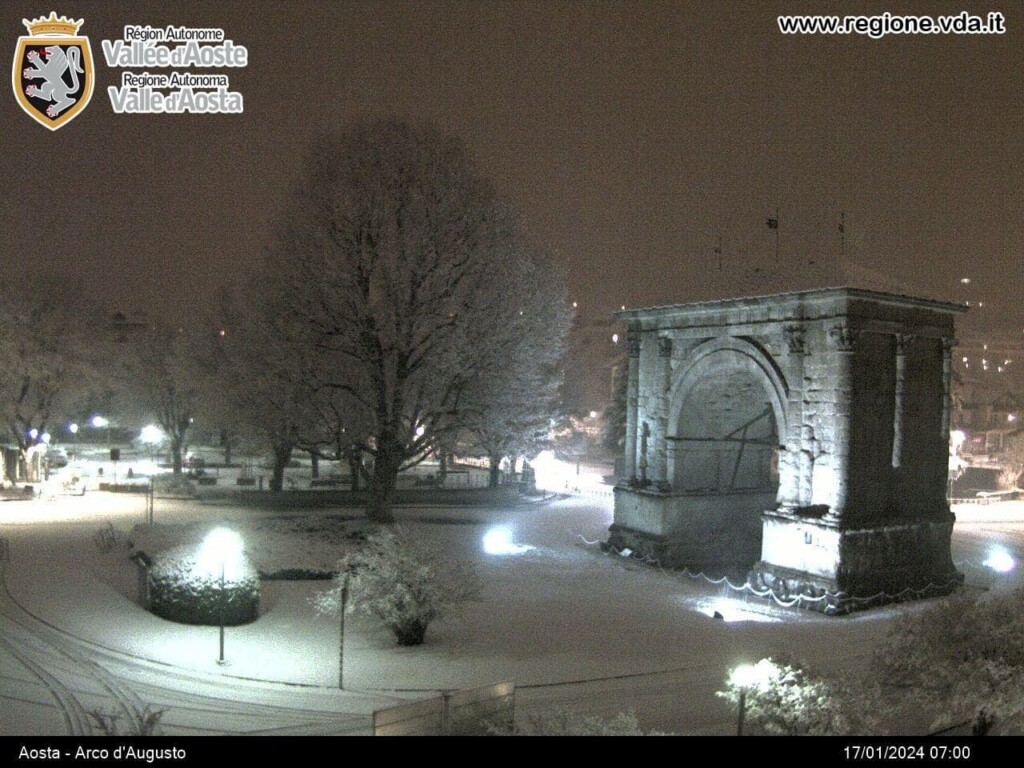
(99,422)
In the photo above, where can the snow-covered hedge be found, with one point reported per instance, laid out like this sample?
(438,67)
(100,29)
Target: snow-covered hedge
(184,589)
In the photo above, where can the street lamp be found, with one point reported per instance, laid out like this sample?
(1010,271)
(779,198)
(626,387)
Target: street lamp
(746,678)
(743,677)
(152,436)
(221,552)
(341,635)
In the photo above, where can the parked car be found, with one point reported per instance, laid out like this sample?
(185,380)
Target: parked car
(56,457)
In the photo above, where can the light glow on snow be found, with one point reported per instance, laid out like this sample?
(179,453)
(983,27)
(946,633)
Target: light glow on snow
(498,541)
(146,467)
(1000,560)
(731,610)
(552,474)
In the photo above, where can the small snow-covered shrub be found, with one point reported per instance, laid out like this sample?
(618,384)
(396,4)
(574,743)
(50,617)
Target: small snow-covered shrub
(403,582)
(144,722)
(1008,478)
(786,700)
(185,588)
(175,486)
(111,539)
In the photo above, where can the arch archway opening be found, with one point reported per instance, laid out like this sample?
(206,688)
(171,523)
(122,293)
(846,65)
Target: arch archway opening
(724,460)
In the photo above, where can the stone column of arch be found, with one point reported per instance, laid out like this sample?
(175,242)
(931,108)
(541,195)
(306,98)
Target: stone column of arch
(902,342)
(660,431)
(947,383)
(632,401)
(794,469)
(842,340)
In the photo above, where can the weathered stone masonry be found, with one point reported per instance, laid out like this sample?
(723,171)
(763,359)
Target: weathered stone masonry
(803,436)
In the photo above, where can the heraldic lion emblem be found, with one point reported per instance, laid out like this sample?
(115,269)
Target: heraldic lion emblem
(53,70)
(52,73)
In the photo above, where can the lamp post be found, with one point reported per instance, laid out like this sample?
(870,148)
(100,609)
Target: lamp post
(341,641)
(220,659)
(743,677)
(220,546)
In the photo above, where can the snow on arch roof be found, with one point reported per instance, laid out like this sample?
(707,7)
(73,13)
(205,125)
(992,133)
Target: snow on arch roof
(815,294)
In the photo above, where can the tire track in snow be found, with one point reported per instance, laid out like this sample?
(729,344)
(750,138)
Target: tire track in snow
(73,713)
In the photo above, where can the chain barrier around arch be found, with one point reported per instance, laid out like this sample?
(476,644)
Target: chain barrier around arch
(831,599)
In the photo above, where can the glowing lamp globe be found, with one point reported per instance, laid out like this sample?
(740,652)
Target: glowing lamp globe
(751,676)
(212,584)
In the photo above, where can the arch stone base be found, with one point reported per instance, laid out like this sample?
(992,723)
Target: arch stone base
(699,531)
(856,387)
(854,568)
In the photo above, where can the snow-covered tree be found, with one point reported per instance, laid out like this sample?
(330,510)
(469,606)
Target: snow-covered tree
(1012,460)
(400,263)
(613,433)
(783,699)
(507,410)
(403,582)
(962,659)
(52,347)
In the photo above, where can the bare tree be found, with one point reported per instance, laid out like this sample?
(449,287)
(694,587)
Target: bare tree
(258,379)
(164,382)
(399,261)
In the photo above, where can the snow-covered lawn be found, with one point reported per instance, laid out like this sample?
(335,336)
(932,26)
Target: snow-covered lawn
(575,629)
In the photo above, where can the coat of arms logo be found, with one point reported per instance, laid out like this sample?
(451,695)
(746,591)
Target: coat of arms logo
(53,74)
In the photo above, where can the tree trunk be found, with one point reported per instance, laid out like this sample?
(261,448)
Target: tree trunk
(355,466)
(282,454)
(226,442)
(176,446)
(495,474)
(314,459)
(26,470)
(410,632)
(385,477)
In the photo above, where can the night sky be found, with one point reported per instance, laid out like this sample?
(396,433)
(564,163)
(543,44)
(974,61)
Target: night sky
(631,136)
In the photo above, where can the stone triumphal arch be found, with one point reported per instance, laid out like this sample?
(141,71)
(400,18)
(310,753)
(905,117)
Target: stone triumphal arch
(801,437)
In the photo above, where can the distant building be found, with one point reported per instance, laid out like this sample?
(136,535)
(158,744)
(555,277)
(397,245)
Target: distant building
(123,327)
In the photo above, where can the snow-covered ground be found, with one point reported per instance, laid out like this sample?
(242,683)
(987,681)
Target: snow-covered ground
(576,630)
